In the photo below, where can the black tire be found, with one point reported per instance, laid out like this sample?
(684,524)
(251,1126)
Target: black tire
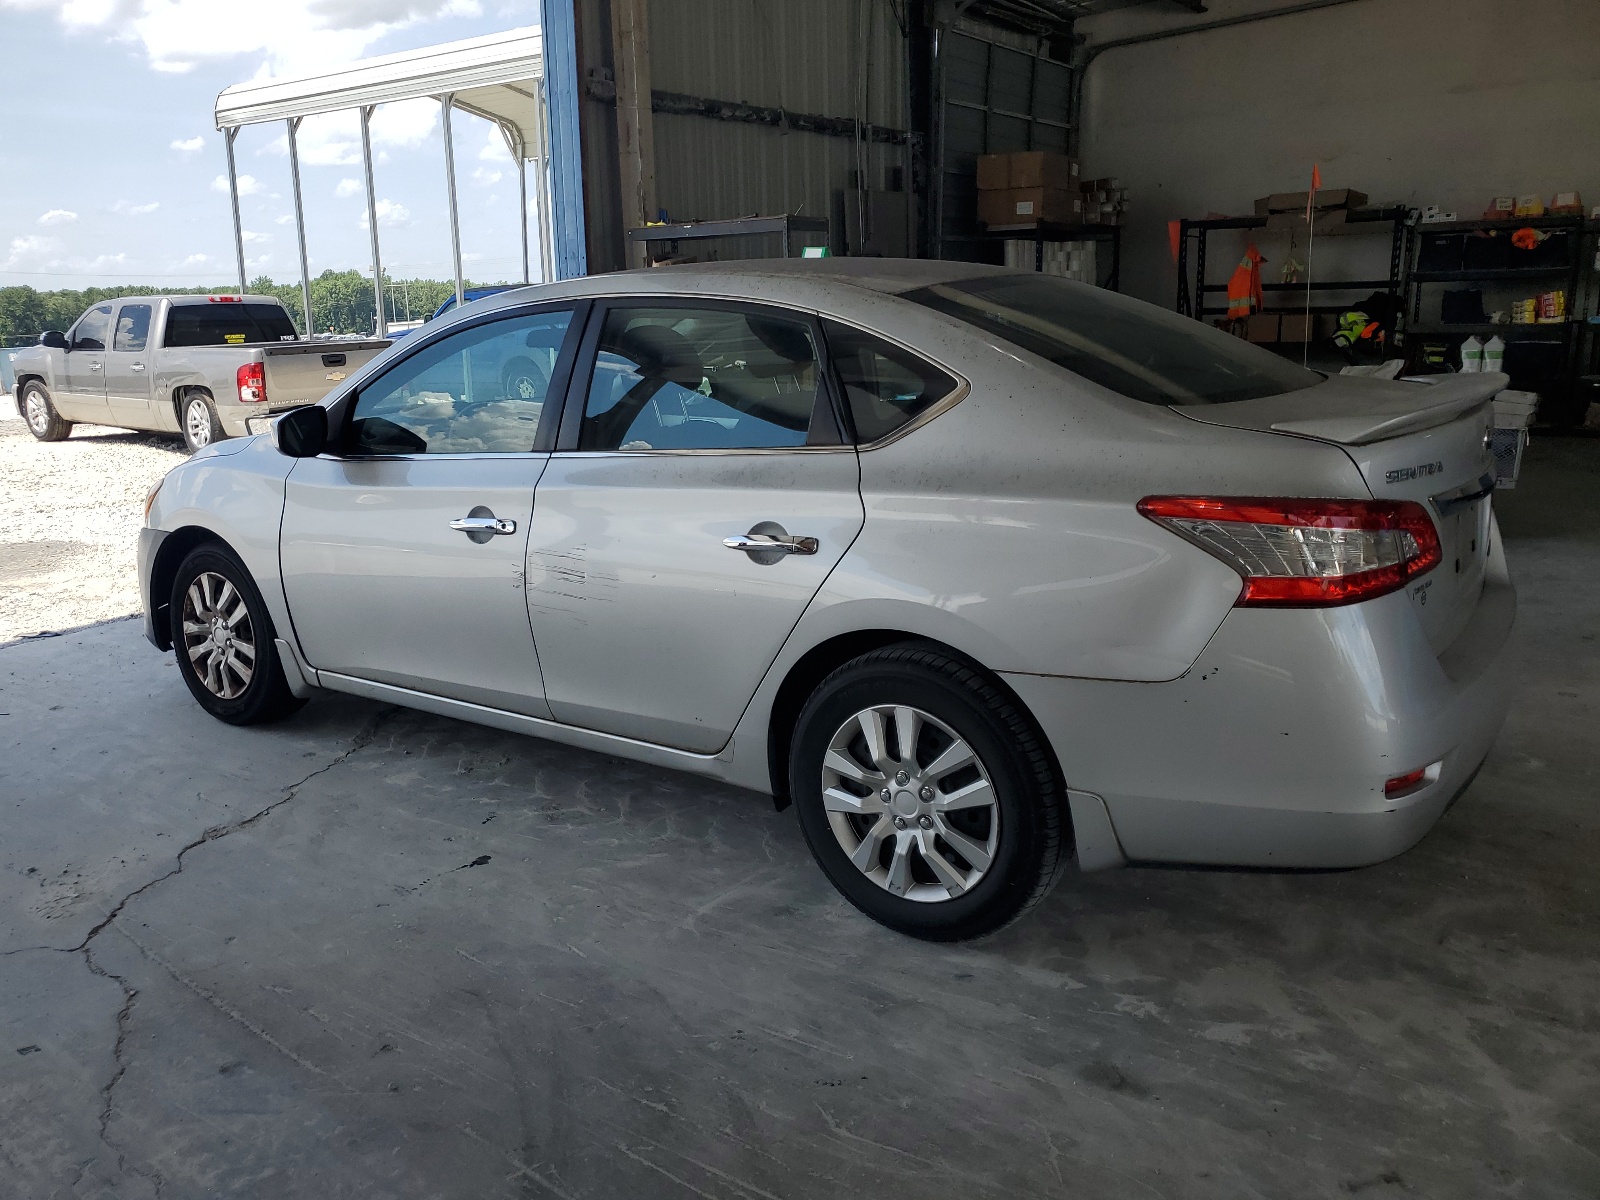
(524,379)
(39,411)
(197,418)
(265,695)
(1028,851)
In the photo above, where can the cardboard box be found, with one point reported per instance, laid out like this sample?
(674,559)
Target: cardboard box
(1029,206)
(1327,198)
(1042,169)
(1298,327)
(1566,202)
(1531,205)
(1503,206)
(994,172)
(1263,327)
(1323,222)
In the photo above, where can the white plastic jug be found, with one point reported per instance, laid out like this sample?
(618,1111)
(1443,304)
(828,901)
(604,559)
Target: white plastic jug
(1494,354)
(1471,356)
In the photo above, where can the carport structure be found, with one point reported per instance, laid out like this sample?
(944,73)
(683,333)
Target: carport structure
(499,77)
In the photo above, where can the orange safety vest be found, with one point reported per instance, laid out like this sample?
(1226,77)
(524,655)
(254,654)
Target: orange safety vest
(1244,286)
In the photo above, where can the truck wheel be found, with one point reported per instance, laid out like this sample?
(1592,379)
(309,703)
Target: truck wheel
(44,422)
(198,416)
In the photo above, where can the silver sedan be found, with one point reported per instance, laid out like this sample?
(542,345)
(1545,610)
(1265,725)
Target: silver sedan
(981,570)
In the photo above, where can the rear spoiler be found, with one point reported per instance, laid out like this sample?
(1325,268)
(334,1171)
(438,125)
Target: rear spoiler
(1445,398)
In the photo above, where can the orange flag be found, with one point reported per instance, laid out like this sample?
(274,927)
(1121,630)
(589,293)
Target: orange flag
(1174,238)
(1316,182)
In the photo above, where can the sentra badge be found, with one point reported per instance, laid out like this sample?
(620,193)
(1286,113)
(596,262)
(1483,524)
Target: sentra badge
(1401,474)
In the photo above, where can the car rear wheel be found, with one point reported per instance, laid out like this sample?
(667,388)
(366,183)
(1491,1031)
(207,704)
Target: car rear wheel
(44,422)
(198,415)
(925,794)
(224,641)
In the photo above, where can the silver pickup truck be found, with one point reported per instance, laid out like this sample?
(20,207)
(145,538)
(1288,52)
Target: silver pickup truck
(203,366)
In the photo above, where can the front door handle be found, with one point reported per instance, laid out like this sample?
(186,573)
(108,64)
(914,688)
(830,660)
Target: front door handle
(772,543)
(94,366)
(136,366)
(471,525)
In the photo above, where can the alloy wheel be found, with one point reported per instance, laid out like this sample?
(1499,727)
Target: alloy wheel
(218,635)
(37,411)
(910,803)
(197,423)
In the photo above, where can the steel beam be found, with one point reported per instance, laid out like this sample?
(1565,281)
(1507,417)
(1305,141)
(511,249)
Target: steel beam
(382,326)
(233,193)
(558,24)
(450,187)
(300,225)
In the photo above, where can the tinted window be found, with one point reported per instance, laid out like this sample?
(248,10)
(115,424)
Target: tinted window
(92,329)
(884,385)
(133,327)
(480,391)
(226,324)
(1137,349)
(703,379)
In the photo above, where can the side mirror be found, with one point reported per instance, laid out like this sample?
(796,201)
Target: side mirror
(302,432)
(54,339)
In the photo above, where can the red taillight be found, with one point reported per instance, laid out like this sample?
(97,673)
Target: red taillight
(226,299)
(252,380)
(1412,781)
(1306,552)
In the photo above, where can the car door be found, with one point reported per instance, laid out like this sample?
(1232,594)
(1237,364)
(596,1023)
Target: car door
(700,494)
(84,365)
(127,375)
(403,553)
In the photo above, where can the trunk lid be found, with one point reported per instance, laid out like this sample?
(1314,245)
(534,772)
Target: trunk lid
(301,373)
(1425,441)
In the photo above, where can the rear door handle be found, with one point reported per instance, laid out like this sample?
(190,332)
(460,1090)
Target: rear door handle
(767,541)
(135,366)
(94,366)
(483,525)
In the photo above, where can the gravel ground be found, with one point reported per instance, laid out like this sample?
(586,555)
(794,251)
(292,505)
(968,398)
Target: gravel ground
(69,520)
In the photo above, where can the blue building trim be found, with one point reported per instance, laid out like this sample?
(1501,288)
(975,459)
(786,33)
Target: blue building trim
(558,21)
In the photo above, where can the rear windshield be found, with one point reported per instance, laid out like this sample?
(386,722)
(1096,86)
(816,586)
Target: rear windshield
(1131,347)
(227,324)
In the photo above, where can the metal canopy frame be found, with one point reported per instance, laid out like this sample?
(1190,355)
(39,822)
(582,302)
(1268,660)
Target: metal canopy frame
(499,78)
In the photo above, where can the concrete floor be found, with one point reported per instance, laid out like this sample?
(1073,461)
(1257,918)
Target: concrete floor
(374,953)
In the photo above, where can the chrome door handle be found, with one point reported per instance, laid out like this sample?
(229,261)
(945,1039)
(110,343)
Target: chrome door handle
(95,366)
(135,366)
(766,541)
(483,525)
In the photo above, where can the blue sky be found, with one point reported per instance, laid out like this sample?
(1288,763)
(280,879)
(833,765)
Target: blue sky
(115,174)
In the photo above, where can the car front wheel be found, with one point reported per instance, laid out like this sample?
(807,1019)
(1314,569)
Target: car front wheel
(925,794)
(224,641)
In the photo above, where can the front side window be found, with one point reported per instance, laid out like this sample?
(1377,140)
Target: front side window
(678,378)
(1133,348)
(133,327)
(885,386)
(225,323)
(480,391)
(93,329)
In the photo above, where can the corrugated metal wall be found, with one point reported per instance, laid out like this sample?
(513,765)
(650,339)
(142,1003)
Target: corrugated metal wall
(835,58)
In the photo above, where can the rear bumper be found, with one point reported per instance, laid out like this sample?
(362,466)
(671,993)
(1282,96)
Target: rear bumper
(1273,749)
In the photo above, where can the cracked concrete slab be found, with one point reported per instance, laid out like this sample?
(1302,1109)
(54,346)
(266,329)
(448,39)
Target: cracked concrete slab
(461,963)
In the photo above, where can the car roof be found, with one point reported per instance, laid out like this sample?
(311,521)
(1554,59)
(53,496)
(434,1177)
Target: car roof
(891,275)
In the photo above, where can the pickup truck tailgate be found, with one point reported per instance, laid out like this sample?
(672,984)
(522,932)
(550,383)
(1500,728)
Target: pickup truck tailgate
(1422,441)
(303,373)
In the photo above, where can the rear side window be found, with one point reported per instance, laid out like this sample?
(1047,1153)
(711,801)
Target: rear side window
(681,378)
(1133,348)
(133,327)
(93,329)
(227,325)
(885,386)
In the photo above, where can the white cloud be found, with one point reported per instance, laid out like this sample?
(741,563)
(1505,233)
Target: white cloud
(195,260)
(249,185)
(347,188)
(137,210)
(390,215)
(284,220)
(291,36)
(58,216)
(249,235)
(494,147)
(101,264)
(334,139)
(484,177)
(189,145)
(32,251)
